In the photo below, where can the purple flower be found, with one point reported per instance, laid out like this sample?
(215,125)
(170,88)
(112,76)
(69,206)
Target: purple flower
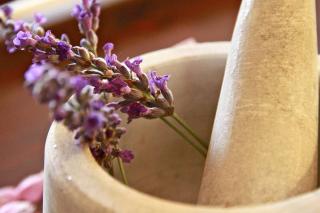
(96,83)
(108,47)
(135,110)
(63,50)
(134,65)
(93,122)
(126,156)
(112,60)
(159,81)
(76,11)
(49,38)
(116,86)
(34,73)
(23,39)
(18,25)
(97,104)
(78,83)
(109,57)
(40,18)
(7,10)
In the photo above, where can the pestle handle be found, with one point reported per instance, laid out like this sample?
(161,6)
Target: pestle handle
(264,141)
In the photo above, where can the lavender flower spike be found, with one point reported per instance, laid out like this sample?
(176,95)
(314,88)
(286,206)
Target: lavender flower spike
(87,15)
(77,84)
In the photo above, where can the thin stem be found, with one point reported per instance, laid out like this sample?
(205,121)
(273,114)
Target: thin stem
(200,149)
(177,118)
(123,173)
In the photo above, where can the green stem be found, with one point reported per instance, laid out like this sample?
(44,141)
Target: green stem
(177,118)
(123,173)
(200,149)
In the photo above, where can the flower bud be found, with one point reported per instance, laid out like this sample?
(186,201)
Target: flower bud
(167,94)
(79,60)
(134,95)
(94,72)
(92,37)
(162,103)
(27,26)
(54,58)
(96,9)
(65,38)
(124,71)
(86,4)
(73,67)
(95,23)
(84,53)
(155,113)
(100,63)
(85,21)
(144,81)
(85,43)
(80,28)
(39,31)
(108,73)
(120,131)
(76,49)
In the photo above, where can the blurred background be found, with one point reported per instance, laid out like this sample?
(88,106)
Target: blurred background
(135,26)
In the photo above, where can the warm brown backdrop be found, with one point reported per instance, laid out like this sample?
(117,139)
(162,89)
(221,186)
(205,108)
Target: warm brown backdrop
(135,27)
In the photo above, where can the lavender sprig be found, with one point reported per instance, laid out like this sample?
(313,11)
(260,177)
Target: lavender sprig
(110,75)
(87,114)
(87,16)
(77,84)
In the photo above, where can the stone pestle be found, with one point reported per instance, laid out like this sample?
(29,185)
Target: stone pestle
(264,141)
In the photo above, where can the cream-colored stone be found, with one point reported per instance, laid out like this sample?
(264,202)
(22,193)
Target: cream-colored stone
(164,166)
(264,141)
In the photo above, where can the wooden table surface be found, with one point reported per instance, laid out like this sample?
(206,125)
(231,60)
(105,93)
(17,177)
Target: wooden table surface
(135,27)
